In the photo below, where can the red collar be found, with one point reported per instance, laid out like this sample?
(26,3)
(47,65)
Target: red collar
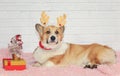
(41,46)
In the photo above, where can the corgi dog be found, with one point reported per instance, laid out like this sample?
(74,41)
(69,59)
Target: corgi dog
(52,51)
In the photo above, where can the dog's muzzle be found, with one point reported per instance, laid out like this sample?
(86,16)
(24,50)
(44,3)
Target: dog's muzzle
(52,40)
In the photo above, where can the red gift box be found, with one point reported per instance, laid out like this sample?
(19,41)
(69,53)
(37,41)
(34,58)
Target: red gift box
(10,64)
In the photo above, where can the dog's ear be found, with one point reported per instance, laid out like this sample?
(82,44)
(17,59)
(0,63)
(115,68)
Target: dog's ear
(62,28)
(39,28)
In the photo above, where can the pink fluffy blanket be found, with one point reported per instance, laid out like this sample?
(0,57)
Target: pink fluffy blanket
(102,70)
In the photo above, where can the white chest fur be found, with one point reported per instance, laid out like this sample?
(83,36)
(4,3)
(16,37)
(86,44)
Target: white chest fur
(42,56)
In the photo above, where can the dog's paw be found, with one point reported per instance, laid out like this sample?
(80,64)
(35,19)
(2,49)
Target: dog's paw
(48,64)
(36,64)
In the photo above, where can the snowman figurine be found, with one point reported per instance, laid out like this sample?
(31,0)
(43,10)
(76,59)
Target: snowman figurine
(15,47)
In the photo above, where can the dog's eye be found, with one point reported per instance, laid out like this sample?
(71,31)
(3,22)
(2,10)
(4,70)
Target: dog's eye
(56,32)
(48,32)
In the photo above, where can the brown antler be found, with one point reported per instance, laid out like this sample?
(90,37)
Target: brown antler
(61,21)
(44,18)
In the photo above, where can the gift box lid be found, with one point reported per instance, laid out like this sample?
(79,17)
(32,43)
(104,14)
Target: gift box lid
(9,61)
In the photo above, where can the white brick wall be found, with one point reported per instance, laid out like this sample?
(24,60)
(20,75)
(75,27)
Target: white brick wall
(88,21)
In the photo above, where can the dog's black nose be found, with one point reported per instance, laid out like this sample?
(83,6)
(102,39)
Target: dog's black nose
(52,38)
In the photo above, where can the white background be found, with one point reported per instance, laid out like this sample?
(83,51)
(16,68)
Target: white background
(88,21)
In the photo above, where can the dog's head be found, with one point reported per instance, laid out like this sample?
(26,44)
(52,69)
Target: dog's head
(51,35)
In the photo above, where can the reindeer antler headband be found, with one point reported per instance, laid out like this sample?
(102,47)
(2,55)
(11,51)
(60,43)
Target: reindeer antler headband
(61,21)
(44,18)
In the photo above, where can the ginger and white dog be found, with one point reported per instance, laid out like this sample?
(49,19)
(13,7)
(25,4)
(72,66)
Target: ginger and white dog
(52,51)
